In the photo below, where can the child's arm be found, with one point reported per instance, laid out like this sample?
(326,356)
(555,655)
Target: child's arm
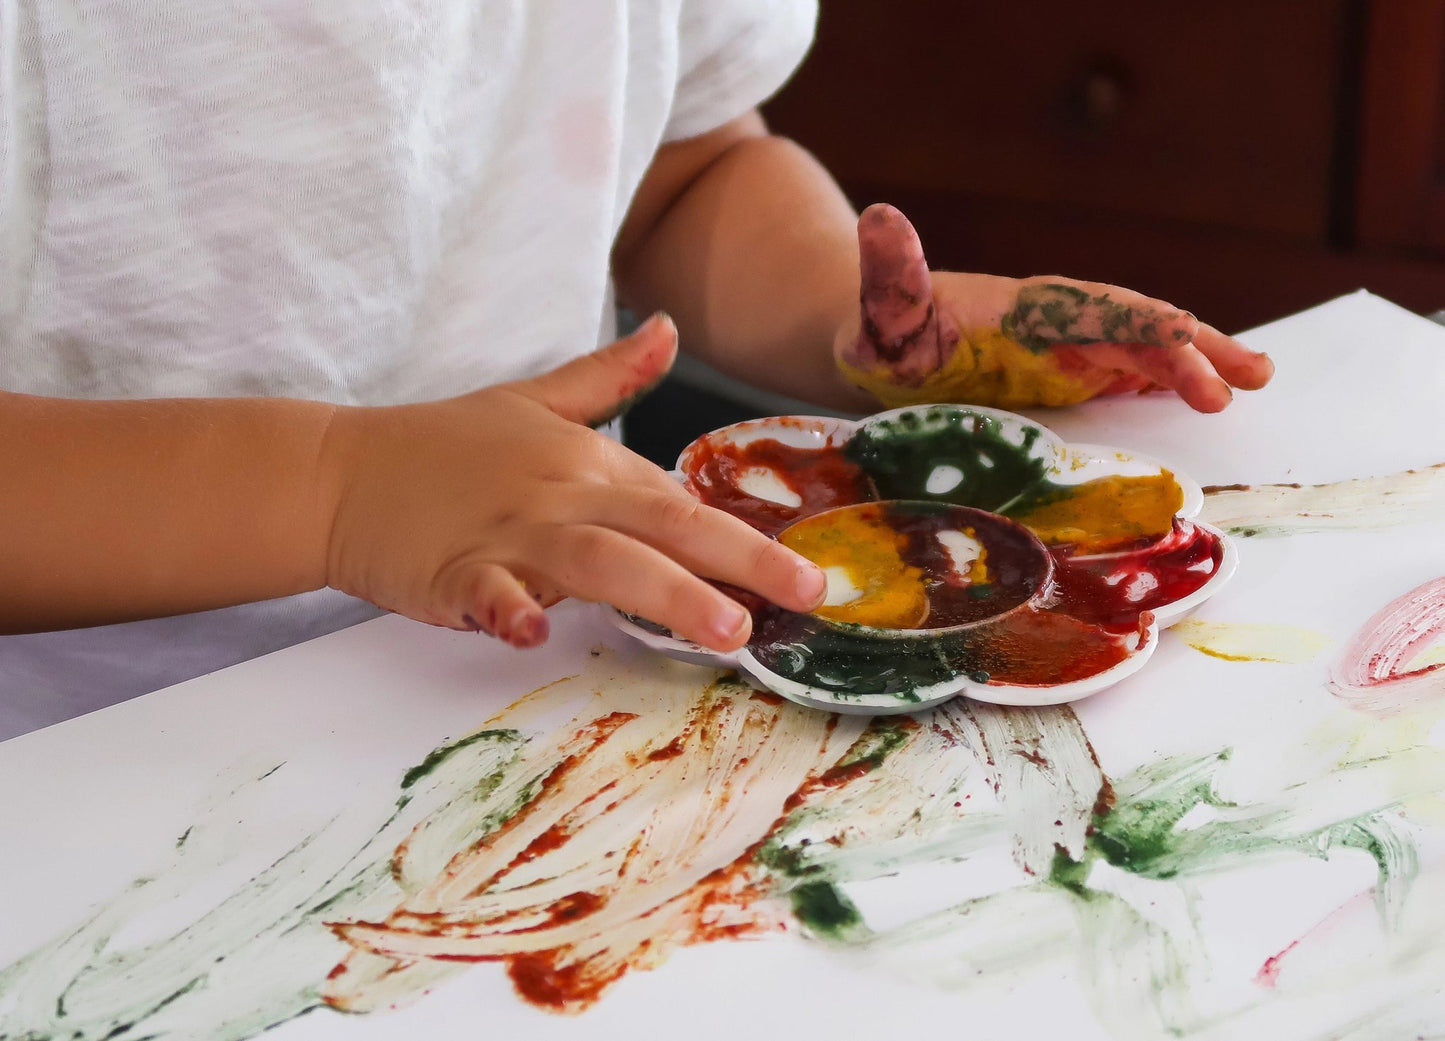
(752,247)
(441,511)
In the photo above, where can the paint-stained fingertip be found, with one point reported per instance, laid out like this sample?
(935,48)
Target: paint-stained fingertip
(527,628)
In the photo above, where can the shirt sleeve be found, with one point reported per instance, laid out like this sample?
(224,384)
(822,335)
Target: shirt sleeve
(733,55)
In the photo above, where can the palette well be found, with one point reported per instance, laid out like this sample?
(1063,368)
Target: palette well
(969,552)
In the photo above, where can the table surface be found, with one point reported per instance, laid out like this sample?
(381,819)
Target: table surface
(195,862)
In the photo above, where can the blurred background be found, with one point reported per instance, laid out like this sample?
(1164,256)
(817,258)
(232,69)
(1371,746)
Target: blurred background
(1244,159)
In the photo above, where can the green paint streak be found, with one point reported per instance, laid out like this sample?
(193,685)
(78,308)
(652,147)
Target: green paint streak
(899,454)
(1139,836)
(874,745)
(437,756)
(824,910)
(1068,873)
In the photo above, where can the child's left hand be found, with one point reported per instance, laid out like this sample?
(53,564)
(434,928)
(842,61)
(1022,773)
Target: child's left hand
(1014,343)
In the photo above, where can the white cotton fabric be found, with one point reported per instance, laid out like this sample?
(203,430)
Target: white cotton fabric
(360,203)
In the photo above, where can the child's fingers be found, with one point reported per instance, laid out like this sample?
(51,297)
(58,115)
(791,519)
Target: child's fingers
(1048,311)
(1182,369)
(899,324)
(597,387)
(487,598)
(1244,368)
(710,543)
(603,565)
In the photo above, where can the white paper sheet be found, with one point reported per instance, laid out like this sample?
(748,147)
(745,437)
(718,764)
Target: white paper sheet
(315,740)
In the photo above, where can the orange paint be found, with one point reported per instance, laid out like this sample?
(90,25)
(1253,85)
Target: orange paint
(869,551)
(1105,514)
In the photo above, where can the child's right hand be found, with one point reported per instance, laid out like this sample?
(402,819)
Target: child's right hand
(473,512)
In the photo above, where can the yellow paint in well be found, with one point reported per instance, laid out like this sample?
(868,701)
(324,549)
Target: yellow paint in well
(1107,512)
(860,543)
(1240,641)
(987,368)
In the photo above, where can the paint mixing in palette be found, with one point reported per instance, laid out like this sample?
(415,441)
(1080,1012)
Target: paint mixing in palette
(968,551)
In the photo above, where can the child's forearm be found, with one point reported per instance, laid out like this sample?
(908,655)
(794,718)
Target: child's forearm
(756,257)
(116,510)
(470,512)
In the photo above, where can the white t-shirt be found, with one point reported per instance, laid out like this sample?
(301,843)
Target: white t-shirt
(360,203)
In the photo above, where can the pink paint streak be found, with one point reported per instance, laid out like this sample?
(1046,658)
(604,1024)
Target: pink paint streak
(1372,672)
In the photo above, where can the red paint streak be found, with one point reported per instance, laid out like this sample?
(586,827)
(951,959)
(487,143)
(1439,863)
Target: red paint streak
(1268,974)
(821,477)
(544,980)
(728,903)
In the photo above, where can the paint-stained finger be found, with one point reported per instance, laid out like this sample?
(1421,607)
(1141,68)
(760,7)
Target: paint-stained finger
(1242,367)
(1047,311)
(487,598)
(1182,369)
(603,565)
(899,323)
(709,542)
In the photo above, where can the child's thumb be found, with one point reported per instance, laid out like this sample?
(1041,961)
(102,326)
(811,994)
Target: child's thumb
(599,386)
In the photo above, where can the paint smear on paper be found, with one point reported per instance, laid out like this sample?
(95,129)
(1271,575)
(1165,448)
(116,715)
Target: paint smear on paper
(1272,510)
(1240,641)
(1380,670)
(629,847)
(606,820)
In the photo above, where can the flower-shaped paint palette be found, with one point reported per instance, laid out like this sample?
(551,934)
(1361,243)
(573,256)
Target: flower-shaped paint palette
(968,551)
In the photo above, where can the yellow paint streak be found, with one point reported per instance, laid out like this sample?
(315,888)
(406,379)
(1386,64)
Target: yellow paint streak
(861,543)
(1238,641)
(988,368)
(1407,738)
(1426,658)
(1107,512)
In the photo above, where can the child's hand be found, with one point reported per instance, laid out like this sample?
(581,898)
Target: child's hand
(472,512)
(1013,343)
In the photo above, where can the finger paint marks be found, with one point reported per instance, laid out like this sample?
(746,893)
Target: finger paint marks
(1239,641)
(1046,314)
(629,848)
(1028,359)
(986,367)
(1376,671)
(1272,510)
(663,806)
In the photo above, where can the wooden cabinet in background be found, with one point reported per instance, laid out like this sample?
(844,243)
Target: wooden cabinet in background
(1244,159)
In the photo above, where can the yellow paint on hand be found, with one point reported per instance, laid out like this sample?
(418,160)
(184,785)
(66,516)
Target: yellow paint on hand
(859,542)
(1106,513)
(1239,641)
(988,368)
